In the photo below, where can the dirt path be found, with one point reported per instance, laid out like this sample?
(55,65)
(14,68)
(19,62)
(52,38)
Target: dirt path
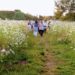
(50,64)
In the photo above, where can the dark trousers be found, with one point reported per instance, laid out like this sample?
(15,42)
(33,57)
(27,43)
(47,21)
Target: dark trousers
(45,29)
(41,32)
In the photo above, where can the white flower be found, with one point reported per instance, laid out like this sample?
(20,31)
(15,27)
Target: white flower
(74,49)
(7,52)
(12,51)
(71,47)
(3,51)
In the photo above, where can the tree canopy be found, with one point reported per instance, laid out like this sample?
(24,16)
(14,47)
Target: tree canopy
(64,5)
(16,15)
(65,10)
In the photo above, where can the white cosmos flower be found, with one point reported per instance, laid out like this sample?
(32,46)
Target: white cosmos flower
(3,51)
(12,51)
(74,49)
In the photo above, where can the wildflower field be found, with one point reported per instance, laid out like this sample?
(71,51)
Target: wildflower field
(23,54)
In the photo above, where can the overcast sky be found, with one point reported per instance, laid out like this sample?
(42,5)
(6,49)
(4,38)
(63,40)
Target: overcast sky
(34,7)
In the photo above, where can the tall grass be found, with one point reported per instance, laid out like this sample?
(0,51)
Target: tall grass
(18,44)
(62,41)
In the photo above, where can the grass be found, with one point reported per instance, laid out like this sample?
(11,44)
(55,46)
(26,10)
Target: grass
(34,57)
(62,52)
(58,43)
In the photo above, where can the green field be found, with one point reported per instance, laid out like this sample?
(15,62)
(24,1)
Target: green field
(23,54)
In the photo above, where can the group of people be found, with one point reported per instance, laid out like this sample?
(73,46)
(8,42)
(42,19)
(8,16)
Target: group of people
(38,26)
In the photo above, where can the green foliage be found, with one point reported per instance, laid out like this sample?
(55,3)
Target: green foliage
(16,15)
(12,47)
(58,14)
(6,14)
(66,5)
(69,17)
(60,44)
(23,56)
(19,15)
(63,48)
(63,6)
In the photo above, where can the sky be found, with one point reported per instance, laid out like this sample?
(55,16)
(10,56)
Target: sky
(34,7)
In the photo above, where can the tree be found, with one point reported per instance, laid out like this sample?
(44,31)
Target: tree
(19,15)
(58,14)
(16,15)
(65,8)
(66,5)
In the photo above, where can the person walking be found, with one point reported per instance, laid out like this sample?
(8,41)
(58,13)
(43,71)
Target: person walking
(35,28)
(40,28)
(45,25)
(29,25)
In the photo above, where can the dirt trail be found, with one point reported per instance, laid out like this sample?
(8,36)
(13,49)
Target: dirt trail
(50,65)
